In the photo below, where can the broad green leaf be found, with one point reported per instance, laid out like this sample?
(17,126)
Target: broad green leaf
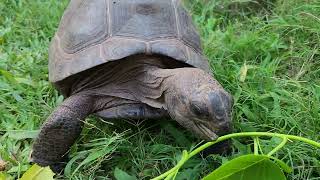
(282,164)
(5,176)
(38,173)
(121,175)
(248,167)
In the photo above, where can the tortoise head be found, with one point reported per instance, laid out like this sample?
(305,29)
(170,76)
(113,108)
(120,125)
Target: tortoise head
(210,111)
(200,104)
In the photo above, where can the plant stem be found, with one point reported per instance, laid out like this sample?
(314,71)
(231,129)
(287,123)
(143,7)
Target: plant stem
(247,134)
(184,158)
(284,141)
(285,137)
(259,146)
(255,145)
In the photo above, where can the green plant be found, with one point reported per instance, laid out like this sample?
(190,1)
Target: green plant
(229,170)
(37,173)
(265,52)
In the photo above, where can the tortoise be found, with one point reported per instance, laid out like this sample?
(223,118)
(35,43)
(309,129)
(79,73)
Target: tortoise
(129,59)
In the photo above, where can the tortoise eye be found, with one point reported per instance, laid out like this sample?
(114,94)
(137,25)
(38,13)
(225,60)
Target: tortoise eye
(199,110)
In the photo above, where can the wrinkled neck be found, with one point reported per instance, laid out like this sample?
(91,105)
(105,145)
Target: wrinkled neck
(168,87)
(139,79)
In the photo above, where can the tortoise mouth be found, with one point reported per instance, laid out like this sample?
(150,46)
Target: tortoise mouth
(206,132)
(212,131)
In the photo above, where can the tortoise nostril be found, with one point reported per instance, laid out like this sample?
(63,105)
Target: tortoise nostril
(218,105)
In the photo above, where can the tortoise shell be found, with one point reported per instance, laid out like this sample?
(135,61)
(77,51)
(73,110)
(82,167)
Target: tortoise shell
(93,32)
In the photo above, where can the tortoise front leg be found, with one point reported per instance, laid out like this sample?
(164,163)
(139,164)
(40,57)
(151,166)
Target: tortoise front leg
(60,131)
(132,111)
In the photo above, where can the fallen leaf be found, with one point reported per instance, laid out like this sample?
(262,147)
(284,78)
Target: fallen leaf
(38,173)
(243,72)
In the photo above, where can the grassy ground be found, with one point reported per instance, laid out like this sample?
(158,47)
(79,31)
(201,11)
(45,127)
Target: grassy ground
(265,52)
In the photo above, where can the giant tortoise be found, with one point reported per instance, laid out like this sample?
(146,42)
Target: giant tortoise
(132,59)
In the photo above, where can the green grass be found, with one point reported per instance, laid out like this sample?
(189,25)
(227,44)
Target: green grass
(265,52)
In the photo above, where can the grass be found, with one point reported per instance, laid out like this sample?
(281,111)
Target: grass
(265,52)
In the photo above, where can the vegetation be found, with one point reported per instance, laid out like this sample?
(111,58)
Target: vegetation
(258,165)
(265,52)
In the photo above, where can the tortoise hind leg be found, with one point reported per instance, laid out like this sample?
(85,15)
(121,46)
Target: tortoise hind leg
(60,131)
(132,111)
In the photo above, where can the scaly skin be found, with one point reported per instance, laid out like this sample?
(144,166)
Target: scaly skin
(188,95)
(60,131)
(196,101)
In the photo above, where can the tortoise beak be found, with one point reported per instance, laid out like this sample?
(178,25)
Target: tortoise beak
(207,133)
(218,121)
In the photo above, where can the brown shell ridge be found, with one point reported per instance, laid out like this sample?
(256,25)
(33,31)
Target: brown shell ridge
(109,18)
(105,40)
(101,37)
(95,36)
(176,16)
(93,32)
(66,17)
(98,55)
